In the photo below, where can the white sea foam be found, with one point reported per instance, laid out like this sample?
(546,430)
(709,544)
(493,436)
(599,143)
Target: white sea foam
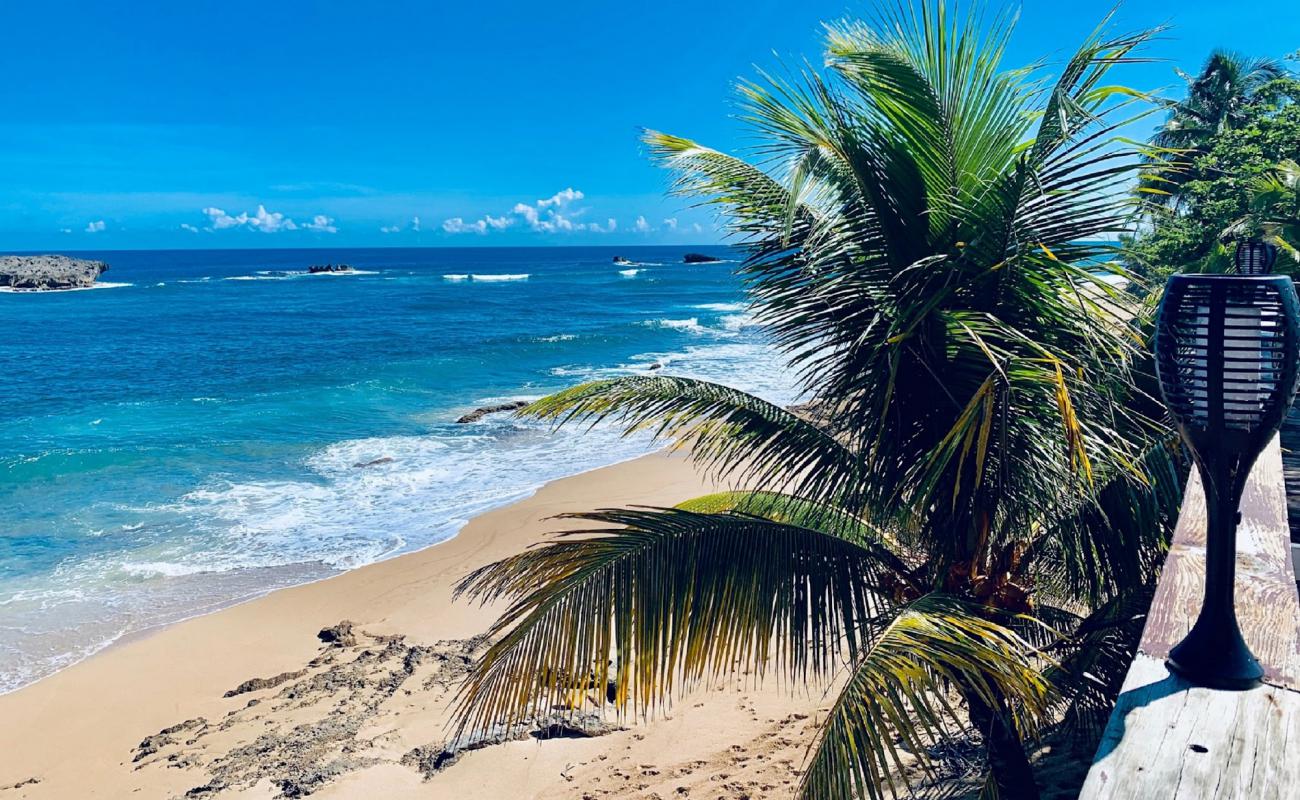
(559,337)
(691,324)
(294,274)
(630,273)
(723,307)
(491,278)
(96,285)
(456,278)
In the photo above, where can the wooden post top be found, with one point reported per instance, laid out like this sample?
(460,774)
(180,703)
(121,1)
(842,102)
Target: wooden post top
(1168,739)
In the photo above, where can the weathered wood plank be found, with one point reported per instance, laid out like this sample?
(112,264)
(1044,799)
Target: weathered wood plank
(1168,739)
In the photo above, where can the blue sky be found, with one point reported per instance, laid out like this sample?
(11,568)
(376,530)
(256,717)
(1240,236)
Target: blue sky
(425,123)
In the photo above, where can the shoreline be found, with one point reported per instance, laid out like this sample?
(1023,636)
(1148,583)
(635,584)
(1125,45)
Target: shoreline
(128,636)
(100,727)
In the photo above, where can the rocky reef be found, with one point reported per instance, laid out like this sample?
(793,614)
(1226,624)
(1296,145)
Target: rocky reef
(48,273)
(699,258)
(479,413)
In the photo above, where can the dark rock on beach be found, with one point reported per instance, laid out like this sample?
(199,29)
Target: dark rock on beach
(479,413)
(48,273)
(431,759)
(258,684)
(699,258)
(339,635)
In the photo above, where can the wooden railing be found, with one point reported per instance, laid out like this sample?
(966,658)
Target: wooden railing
(1168,739)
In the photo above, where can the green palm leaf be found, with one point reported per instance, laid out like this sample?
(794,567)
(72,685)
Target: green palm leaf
(724,429)
(667,597)
(895,700)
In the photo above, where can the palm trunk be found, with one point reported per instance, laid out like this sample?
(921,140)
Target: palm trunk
(1007,760)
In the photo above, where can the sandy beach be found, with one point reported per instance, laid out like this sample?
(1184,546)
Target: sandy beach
(248,702)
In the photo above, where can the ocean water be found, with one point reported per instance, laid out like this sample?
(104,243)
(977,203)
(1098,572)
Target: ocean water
(191,434)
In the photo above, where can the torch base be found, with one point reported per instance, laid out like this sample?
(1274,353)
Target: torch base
(1215,659)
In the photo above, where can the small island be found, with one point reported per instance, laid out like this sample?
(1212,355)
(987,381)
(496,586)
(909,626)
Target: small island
(621,261)
(317,269)
(699,258)
(48,273)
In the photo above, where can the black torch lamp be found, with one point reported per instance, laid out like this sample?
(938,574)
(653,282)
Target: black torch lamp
(1226,350)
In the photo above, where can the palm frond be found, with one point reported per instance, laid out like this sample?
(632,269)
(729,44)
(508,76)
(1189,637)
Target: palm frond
(895,700)
(726,430)
(667,597)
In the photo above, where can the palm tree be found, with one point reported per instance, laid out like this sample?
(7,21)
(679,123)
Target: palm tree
(1274,211)
(1216,101)
(957,536)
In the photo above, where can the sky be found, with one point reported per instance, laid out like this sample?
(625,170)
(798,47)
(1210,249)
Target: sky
(386,123)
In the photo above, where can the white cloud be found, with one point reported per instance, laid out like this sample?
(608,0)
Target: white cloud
(561,198)
(65,230)
(697,227)
(671,223)
(321,224)
(414,227)
(482,226)
(459,225)
(185,226)
(96,226)
(554,214)
(641,226)
(265,221)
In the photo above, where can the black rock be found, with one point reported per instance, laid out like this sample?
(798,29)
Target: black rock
(699,258)
(339,635)
(479,413)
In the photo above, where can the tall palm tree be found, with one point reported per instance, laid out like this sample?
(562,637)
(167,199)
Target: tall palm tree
(1216,101)
(958,535)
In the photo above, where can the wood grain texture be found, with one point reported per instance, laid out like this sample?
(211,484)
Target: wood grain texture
(1169,739)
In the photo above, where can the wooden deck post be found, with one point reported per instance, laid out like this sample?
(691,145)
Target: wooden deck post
(1168,739)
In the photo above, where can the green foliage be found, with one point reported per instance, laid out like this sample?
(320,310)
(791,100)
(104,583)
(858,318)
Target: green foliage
(978,470)
(1224,166)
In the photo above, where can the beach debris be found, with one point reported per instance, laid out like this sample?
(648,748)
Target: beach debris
(258,684)
(374,462)
(49,273)
(339,635)
(479,413)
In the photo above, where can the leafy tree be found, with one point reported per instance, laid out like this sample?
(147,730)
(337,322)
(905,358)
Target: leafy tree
(1219,99)
(959,531)
(1227,184)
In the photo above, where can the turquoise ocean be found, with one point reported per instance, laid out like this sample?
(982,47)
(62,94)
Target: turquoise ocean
(190,435)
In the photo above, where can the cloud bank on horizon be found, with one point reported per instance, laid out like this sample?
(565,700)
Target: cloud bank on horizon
(565,212)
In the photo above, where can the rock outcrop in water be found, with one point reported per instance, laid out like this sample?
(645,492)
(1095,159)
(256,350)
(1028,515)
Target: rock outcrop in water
(479,413)
(316,269)
(48,273)
(699,258)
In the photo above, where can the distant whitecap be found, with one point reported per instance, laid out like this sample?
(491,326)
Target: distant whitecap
(490,278)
